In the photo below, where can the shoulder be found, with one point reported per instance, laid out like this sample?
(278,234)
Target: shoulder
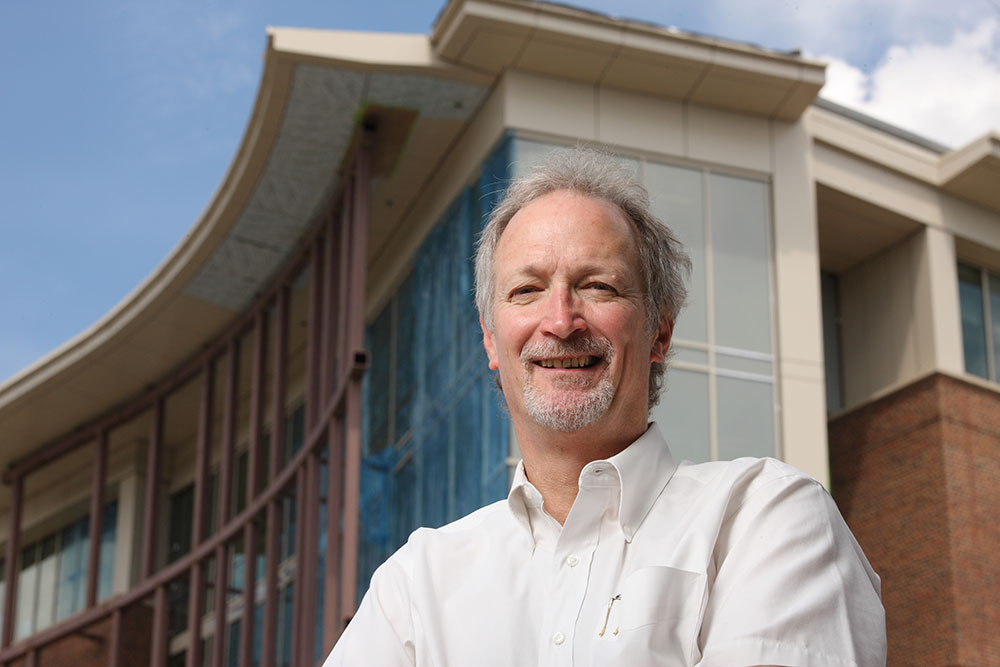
(473,532)
(740,483)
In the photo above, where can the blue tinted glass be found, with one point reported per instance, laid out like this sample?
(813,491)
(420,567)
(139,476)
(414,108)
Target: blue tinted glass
(995,324)
(109,526)
(469,447)
(970,296)
(377,380)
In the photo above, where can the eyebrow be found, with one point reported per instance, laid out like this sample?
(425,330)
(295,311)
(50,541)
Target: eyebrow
(536,271)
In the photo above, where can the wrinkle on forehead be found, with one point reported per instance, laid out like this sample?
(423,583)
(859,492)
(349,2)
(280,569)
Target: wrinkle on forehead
(529,246)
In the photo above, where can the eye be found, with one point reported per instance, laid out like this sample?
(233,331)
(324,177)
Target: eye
(523,290)
(604,287)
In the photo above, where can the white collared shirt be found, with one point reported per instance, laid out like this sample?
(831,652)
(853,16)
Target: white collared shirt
(728,563)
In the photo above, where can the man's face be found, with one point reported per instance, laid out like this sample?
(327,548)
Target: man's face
(570,335)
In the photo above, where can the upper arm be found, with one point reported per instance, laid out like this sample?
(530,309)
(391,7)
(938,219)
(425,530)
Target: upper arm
(792,585)
(381,633)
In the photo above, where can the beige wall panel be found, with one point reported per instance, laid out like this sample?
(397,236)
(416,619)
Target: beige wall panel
(937,293)
(798,308)
(879,306)
(638,122)
(542,104)
(727,138)
(875,146)
(802,408)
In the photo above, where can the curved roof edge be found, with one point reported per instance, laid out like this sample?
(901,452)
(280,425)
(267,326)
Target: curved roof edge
(280,179)
(158,279)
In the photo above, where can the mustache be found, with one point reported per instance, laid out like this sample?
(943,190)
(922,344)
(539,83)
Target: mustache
(595,346)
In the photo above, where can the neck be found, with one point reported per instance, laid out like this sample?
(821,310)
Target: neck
(553,459)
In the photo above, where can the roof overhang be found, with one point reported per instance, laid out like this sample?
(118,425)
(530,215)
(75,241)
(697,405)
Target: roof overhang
(493,35)
(973,171)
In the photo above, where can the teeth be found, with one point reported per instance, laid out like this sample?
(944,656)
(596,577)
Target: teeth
(574,362)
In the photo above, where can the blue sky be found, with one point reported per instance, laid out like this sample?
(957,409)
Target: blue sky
(118,119)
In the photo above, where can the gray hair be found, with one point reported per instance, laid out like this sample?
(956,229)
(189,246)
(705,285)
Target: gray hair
(663,261)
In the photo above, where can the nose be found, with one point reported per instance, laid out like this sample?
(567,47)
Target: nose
(563,316)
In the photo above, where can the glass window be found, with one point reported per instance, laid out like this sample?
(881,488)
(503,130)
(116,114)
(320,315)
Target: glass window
(970,296)
(27,586)
(979,300)
(48,565)
(683,417)
(831,342)
(75,544)
(740,262)
(436,449)
(106,565)
(52,583)
(994,308)
(746,418)
(676,196)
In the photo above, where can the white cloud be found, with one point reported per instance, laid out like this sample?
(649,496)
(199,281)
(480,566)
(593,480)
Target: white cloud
(947,92)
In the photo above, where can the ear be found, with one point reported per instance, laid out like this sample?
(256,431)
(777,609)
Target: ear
(661,341)
(488,343)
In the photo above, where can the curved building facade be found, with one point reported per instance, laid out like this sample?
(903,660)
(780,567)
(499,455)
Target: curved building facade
(211,472)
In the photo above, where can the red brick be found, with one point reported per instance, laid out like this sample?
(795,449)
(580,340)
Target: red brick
(917,476)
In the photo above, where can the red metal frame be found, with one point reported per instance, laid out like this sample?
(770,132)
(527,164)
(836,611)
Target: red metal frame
(96,516)
(336,363)
(10,562)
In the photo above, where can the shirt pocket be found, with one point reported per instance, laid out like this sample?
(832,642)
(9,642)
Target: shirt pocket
(658,617)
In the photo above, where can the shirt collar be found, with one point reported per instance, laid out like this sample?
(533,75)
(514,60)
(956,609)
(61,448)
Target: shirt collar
(643,469)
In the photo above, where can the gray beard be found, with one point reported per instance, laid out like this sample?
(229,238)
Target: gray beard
(572,404)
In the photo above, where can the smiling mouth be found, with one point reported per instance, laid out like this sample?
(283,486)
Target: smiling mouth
(569,362)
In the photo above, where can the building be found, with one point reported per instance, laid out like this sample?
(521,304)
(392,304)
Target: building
(300,382)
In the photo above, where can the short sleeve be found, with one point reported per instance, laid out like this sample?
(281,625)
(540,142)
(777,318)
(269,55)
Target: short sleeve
(381,633)
(792,587)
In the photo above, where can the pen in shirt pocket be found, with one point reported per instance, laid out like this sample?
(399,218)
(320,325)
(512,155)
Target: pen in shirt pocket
(607,616)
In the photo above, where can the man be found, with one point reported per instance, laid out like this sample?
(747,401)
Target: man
(607,550)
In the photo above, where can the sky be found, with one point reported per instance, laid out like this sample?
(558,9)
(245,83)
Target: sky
(119,118)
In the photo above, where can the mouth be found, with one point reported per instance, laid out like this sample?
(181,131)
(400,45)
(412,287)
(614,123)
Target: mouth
(585,361)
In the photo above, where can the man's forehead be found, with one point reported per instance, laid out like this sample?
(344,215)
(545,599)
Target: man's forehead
(562,216)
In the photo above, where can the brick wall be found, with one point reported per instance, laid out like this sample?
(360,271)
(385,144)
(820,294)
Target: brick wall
(917,476)
(89,648)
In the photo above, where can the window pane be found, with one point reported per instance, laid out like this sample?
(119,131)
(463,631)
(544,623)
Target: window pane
(677,199)
(682,415)
(746,418)
(970,296)
(995,324)
(109,527)
(45,608)
(689,355)
(27,587)
(831,342)
(376,381)
(72,568)
(743,364)
(740,263)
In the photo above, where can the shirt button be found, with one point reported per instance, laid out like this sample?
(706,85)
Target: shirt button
(572,560)
(627,529)
(558,638)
